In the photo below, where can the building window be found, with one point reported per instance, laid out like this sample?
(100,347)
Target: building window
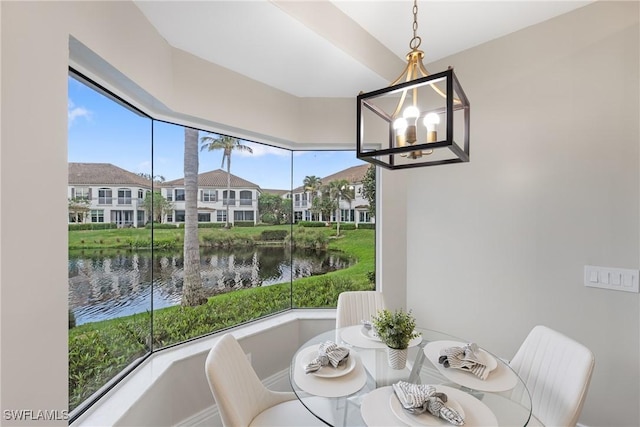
(97,215)
(169,195)
(209,195)
(124,196)
(179,216)
(82,193)
(140,194)
(179,194)
(231,201)
(170,217)
(104,196)
(347,215)
(364,216)
(221,216)
(296,199)
(243,216)
(204,217)
(246,198)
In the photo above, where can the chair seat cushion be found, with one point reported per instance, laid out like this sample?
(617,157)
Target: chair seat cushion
(287,414)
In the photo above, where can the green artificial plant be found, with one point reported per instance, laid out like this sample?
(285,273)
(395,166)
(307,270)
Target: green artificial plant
(395,329)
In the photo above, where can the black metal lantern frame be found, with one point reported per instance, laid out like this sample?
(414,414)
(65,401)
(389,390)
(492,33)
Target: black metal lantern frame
(439,95)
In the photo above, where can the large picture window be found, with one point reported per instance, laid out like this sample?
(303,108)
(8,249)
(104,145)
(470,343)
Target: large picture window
(126,276)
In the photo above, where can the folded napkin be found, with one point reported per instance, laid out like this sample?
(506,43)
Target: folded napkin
(328,353)
(464,358)
(418,398)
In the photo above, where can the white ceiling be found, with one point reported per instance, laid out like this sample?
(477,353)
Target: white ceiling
(335,48)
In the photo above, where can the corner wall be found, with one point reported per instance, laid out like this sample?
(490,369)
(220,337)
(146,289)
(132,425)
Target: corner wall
(498,245)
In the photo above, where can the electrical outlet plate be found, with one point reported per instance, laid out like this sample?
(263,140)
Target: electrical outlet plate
(619,279)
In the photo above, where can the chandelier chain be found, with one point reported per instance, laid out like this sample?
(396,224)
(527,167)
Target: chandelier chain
(416,40)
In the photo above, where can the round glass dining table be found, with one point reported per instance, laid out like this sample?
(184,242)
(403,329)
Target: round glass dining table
(359,391)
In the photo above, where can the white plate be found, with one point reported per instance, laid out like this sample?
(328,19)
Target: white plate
(370,334)
(501,377)
(424,419)
(327,371)
(376,410)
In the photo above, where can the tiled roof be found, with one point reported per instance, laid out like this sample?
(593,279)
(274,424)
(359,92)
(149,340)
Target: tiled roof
(354,174)
(103,174)
(216,178)
(275,191)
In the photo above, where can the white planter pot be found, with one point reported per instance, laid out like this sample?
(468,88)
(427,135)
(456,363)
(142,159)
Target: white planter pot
(397,357)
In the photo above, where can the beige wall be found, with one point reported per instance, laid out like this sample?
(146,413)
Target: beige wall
(498,245)
(503,237)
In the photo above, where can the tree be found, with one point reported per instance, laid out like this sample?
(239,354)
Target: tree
(227,144)
(159,179)
(369,189)
(324,205)
(192,289)
(154,203)
(340,189)
(79,207)
(274,209)
(312,184)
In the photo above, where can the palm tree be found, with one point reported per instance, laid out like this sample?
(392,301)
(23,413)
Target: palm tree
(192,290)
(227,144)
(340,189)
(312,184)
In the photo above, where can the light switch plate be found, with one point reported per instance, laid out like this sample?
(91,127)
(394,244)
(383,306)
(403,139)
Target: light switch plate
(619,279)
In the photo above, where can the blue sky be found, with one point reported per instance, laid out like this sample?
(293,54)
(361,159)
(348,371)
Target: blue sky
(102,131)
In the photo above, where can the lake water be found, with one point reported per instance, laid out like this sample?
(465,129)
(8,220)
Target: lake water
(108,284)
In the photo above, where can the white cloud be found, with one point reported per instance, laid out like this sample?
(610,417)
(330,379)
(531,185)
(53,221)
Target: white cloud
(74,112)
(262,150)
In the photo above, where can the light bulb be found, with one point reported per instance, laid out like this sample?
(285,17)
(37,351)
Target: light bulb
(400,127)
(430,121)
(411,113)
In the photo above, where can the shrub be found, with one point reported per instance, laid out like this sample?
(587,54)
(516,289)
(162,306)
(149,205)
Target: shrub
(271,235)
(211,224)
(308,239)
(312,224)
(367,226)
(244,224)
(158,225)
(92,226)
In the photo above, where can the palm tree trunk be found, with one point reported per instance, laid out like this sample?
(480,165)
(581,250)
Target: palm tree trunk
(228,185)
(192,290)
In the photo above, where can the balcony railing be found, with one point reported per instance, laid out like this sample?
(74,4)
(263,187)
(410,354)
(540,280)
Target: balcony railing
(230,202)
(124,200)
(246,202)
(105,200)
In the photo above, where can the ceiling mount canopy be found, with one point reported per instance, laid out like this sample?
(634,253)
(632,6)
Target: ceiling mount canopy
(420,119)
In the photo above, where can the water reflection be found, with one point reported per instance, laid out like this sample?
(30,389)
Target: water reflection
(104,285)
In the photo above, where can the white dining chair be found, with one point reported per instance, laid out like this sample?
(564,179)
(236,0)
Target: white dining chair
(241,397)
(557,371)
(356,306)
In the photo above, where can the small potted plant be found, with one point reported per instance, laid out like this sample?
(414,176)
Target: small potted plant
(395,330)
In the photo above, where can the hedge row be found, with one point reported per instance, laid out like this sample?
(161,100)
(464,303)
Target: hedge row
(92,226)
(312,224)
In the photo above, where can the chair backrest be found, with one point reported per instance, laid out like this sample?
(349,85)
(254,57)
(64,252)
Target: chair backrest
(356,306)
(235,385)
(557,371)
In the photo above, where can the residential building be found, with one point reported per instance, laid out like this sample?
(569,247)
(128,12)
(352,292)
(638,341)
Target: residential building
(355,210)
(213,200)
(111,194)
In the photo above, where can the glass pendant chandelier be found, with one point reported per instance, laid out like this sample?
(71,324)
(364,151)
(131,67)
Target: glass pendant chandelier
(420,119)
